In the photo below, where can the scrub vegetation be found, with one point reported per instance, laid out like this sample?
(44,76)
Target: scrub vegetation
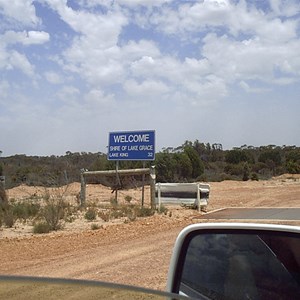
(51,211)
(187,163)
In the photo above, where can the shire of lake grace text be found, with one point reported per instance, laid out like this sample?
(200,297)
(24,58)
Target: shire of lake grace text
(132,148)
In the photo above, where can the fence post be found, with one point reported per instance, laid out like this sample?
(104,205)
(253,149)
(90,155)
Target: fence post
(159,196)
(83,187)
(198,196)
(152,186)
(143,185)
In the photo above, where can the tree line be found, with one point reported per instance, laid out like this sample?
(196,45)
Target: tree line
(192,161)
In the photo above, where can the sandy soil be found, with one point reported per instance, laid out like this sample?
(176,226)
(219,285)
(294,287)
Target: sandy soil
(135,253)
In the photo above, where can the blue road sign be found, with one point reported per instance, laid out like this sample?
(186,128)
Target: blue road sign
(131,145)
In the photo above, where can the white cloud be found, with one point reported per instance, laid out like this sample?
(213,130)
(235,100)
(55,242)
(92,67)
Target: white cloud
(191,18)
(97,30)
(149,89)
(25,37)
(94,53)
(251,59)
(97,99)
(3,57)
(21,11)
(100,60)
(69,95)
(53,77)
(287,8)
(95,67)
(20,61)
(286,81)
(212,87)
(13,59)
(4,90)
(132,50)
(250,89)
(129,3)
(192,76)
(134,3)
(166,67)
(36,37)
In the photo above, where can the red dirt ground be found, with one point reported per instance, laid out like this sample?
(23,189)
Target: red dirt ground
(135,253)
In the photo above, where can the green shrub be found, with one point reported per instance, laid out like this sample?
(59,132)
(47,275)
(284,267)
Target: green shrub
(41,227)
(131,216)
(6,215)
(91,214)
(8,218)
(234,169)
(25,210)
(69,218)
(144,212)
(53,213)
(128,198)
(95,226)
(254,176)
(70,213)
(131,212)
(113,202)
(202,177)
(163,210)
(118,213)
(3,196)
(104,215)
(4,209)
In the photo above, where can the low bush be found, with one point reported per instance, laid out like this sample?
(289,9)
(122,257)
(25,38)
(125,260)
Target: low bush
(95,226)
(163,210)
(144,212)
(104,215)
(53,213)
(69,218)
(128,198)
(254,176)
(131,216)
(41,227)
(118,213)
(3,196)
(113,201)
(91,214)
(25,209)
(8,218)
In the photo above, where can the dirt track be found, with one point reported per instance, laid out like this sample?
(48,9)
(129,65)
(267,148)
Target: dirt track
(137,253)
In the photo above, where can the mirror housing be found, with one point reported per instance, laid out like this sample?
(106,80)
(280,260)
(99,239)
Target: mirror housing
(236,260)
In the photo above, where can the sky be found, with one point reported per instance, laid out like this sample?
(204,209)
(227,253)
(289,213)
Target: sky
(217,71)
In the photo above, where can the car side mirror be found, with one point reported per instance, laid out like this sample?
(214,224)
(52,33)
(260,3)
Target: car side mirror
(236,261)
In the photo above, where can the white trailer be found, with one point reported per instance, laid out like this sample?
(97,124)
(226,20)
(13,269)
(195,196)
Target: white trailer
(190,194)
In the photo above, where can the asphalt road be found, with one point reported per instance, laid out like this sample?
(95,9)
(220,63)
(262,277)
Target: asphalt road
(254,214)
